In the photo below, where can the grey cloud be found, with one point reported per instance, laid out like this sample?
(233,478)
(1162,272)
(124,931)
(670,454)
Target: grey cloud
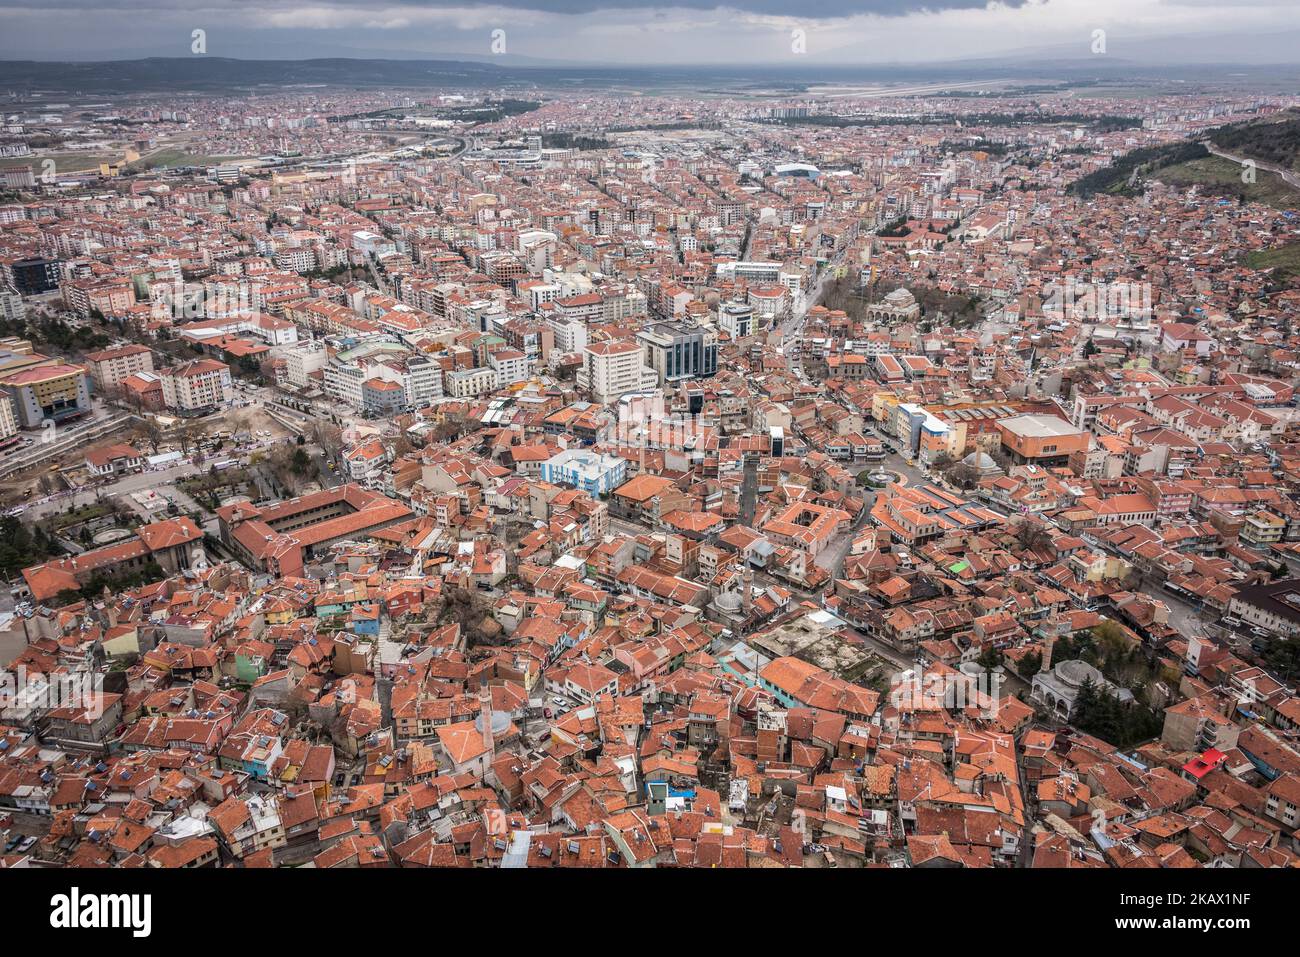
(823,10)
(826,9)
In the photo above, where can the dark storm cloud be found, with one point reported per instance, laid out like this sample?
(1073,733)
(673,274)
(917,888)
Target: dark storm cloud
(825,9)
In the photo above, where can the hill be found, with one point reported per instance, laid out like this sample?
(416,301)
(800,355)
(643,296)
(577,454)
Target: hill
(1271,140)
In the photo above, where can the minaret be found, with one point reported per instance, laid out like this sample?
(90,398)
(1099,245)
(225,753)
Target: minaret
(485,715)
(748,488)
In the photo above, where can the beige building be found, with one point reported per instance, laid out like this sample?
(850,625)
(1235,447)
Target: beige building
(194,386)
(8,421)
(467,383)
(109,368)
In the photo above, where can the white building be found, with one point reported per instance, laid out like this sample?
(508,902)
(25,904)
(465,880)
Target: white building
(511,366)
(304,359)
(612,369)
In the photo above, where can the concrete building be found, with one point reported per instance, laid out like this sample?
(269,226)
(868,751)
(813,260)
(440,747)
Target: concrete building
(510,365)
(1041,439)
(613,369)
(736,319)
(58,392)
(197,386)
(467,383)
(109,367)
(304,359)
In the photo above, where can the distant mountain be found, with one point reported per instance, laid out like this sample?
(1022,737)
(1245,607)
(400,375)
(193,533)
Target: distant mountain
(200,73)
(1123,52)
(211,74)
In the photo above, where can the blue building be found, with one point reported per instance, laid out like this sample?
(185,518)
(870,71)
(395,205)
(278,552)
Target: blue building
(592,472)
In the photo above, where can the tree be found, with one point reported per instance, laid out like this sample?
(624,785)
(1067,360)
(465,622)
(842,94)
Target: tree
(189,434)
(328,437)
(1281,656)
(1032,534)
(962,475)
(21,547)
(989,658)
(1030,664)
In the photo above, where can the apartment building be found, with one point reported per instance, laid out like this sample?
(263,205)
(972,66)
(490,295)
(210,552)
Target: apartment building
(197,386)
(109,367)
(613,369)
(591,472)
(467,383)
(510,365)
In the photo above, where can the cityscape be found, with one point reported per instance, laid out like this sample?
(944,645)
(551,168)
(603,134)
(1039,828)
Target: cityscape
(440,463)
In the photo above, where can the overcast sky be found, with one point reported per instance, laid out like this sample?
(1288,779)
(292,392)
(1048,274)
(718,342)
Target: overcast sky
(690,31)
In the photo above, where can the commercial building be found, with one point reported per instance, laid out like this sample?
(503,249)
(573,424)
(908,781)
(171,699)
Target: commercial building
(417,376)
(736,319)
(33,276)
(678,350)
(1041,439)
(55,391)
(613,369)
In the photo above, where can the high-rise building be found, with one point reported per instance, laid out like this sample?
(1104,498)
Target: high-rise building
(613,369)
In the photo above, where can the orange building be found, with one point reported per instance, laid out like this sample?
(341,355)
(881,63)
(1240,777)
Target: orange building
(1041,439)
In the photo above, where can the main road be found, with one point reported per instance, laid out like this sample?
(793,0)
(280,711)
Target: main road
(1288,176)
